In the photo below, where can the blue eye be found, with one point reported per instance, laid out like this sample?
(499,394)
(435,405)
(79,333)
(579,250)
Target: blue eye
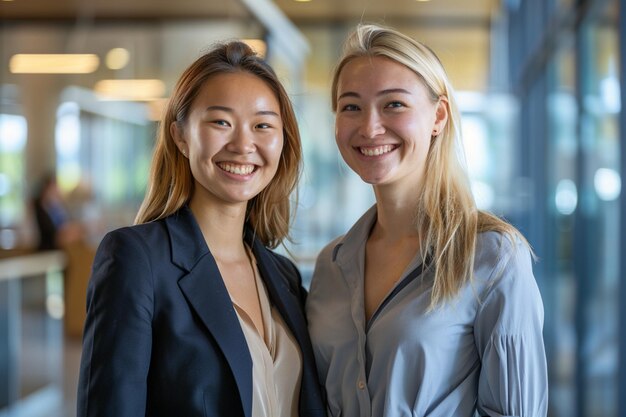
(395,105)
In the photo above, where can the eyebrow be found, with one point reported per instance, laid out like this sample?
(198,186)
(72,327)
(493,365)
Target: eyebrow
(230,110)
(380,93)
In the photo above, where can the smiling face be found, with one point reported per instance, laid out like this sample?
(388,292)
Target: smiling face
(233,138)
(385,121)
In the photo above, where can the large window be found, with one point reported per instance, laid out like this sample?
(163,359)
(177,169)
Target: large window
(569,130)
(12,143)
(599,210)
(103,156)
(560,298)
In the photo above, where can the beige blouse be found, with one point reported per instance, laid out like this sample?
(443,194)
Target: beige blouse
(276,361)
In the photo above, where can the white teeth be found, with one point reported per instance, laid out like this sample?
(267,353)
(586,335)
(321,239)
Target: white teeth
(377,151)
(236,168)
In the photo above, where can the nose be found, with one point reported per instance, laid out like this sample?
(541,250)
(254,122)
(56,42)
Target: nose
(241,142)
(371,124)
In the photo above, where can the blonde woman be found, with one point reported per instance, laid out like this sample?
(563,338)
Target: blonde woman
(189,312)
(427,306)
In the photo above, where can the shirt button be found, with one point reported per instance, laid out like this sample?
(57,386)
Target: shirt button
(361,384)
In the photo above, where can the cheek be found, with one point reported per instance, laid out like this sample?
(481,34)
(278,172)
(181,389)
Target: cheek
(342,132)
(200,142)
(274,147)
(419,131)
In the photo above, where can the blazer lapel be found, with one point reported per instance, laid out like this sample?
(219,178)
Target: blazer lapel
(205,291)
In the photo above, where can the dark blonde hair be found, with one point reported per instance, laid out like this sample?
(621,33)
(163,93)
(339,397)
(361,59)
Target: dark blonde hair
(171,185)
(446,217)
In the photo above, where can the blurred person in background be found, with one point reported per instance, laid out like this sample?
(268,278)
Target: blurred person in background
(427,306)
(55,227)
(189,312)
(82,204)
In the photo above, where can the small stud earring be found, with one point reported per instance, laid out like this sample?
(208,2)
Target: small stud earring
(185,154)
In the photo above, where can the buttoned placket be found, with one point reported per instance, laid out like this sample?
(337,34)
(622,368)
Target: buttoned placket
(353,272)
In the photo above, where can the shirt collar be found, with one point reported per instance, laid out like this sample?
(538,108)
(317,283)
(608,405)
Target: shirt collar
(348,246)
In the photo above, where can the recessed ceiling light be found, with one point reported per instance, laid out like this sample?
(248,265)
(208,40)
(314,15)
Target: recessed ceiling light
(117,58)
(130,90)
(302,1)
(53,63)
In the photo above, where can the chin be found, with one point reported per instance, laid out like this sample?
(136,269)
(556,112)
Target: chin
(373,181)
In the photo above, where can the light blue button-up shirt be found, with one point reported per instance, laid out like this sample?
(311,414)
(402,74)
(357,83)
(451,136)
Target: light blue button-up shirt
(480,353)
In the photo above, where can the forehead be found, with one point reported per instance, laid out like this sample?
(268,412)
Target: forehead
(238,87)
(376,72)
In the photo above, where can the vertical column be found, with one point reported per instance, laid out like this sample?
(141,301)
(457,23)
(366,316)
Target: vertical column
(5,345)
(40,99)
(622,199)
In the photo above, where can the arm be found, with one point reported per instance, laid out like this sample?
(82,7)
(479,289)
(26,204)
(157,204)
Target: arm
(508,333)
(117,339)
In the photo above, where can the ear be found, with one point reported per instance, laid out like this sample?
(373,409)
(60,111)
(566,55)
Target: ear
(179,138)
(441,115)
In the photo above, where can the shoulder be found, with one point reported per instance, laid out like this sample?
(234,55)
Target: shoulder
(138,236)
(496,251)
(326,261)
(504,273)
(131,243)
(287,269)
(326,268)
(124,268)
(328,253)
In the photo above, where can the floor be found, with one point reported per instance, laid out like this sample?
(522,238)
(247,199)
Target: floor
(71,365)
(42,373)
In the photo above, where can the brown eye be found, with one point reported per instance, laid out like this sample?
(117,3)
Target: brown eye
(350,107)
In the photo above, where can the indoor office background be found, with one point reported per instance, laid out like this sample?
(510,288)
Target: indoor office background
(539,84)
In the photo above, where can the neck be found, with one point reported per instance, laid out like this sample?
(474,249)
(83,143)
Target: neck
(222,227)
(396,214)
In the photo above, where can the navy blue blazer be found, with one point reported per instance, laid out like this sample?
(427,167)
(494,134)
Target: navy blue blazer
(162,337)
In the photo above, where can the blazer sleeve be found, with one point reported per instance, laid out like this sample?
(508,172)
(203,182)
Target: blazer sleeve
(117,339)
(508,333)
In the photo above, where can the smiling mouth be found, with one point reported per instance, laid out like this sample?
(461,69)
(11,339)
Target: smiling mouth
(376,150)
(237,169)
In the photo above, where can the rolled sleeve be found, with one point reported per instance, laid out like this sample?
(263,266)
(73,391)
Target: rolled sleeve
(508,333)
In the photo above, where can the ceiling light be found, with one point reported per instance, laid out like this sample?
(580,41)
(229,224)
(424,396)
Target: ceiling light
(257,45)
(117,58)
(303,1)
(130,90)
(53,63)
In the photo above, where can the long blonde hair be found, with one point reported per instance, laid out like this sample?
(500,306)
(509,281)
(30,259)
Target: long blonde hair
(171,185)
(446,216)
